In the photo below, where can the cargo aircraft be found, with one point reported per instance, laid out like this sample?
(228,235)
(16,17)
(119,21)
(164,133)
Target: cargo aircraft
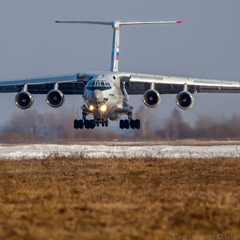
(106,94)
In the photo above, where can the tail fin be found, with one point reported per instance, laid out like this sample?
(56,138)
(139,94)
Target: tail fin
(116,34)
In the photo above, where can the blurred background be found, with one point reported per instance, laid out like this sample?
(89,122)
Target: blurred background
(205,46)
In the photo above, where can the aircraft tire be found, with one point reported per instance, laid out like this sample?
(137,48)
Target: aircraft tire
(75,124)
(137,124)
(91,124)
(121,124)
(132,123)
(126,124)
(86,124)
(80,124)
(106,122)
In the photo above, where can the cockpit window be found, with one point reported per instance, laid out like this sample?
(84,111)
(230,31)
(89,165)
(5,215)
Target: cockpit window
(98,84)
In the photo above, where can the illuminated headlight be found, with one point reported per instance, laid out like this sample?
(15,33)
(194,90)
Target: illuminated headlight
(91,108)
(103,108)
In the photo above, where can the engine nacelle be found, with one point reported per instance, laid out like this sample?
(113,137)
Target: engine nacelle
(55,98)
(151,98)
(24,100)
(185,100)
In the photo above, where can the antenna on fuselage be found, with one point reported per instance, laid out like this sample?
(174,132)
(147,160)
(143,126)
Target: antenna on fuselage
(116,34)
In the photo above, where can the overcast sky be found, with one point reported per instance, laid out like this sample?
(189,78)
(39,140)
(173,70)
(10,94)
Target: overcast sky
(205,46)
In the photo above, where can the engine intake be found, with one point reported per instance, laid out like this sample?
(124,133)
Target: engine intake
(151,98)
(55,98)
(185,100)
(24,100)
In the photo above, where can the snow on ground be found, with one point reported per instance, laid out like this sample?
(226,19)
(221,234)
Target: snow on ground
(42,151)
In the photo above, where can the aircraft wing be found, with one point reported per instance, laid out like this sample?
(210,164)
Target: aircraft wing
(69,84)
(135,84)
(139,83)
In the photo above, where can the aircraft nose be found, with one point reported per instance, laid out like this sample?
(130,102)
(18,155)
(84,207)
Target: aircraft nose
(97,95)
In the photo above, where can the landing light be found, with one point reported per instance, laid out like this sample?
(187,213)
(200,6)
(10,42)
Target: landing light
(103,108)
(91,108)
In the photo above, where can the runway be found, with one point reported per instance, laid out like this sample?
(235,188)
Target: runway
(42,151)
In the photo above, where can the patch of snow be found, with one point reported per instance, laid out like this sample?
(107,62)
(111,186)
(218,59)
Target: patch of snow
(42,151)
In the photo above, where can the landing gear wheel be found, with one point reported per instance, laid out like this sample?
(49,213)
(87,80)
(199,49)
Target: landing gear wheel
(137,124)
(97,123)
(121,124)
(126,124)
(106,122)
(132,123)
(86,124)
(91,124)
(75,124)
(78,124)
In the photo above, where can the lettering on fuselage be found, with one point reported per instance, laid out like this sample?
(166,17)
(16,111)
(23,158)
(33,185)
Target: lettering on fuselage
(112,95)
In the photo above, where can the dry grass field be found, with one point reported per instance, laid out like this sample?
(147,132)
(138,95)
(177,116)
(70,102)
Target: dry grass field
(78,198)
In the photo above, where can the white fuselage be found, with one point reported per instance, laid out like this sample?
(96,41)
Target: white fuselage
(104,98)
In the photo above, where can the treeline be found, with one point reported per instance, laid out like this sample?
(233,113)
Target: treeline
(32,126)
(206,127)
(53,127)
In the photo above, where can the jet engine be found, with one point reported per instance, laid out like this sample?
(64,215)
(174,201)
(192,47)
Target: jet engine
(185,100)
(55,98)
(151,98)
(24,99)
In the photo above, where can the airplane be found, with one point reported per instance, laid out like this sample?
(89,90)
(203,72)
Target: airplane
(106,94)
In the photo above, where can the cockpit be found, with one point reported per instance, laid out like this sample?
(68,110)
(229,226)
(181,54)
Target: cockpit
(99,84)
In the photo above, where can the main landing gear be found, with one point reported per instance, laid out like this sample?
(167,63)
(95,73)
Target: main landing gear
(90,124)
(130,123)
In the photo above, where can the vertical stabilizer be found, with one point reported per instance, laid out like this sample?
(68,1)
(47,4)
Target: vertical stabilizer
(116,34)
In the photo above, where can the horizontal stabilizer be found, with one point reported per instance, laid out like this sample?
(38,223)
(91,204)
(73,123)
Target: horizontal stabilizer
(116,35)
(119,23)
